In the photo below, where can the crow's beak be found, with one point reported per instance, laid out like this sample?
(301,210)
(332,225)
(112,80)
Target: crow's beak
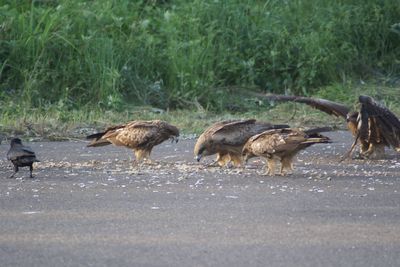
(198,158)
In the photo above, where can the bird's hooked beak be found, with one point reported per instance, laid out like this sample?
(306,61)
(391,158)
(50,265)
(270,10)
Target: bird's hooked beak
(176,139)
(198,158)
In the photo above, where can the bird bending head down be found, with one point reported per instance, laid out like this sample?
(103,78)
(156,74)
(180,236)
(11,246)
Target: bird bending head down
(373,125)
(140,136)
(226,139)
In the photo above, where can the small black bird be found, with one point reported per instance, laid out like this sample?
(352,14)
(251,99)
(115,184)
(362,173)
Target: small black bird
(21,156)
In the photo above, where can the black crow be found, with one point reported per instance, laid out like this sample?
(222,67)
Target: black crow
(21,156)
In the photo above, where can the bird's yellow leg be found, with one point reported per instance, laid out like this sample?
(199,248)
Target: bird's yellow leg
(221,160)
(271,167)
(367,150)
(281,171)
(140,156)
(286,165)
(146,157)
(375,151)
(236,159)
(364,148)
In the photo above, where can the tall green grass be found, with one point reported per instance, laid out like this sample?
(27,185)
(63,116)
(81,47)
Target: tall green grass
(114,54)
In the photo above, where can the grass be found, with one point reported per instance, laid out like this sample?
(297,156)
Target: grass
(58,123)
(39,126)
(72,64)
(178,54)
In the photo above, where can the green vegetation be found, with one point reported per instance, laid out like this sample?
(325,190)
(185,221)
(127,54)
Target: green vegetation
(56,124)
(73,60)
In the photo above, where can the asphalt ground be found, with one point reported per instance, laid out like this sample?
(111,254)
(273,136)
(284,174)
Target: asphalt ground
(92,207)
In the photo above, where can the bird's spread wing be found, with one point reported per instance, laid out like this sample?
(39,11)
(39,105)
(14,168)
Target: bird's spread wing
(378,122)
(330,107)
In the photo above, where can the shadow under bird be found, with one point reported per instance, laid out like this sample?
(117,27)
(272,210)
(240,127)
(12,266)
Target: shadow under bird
(373,126)
(227,138)
(21,156)
(140,136)
(282,145)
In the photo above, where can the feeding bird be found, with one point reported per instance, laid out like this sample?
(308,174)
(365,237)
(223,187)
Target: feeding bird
(282,145)
(227,138)
(373,126)
(21,156)
(140,136)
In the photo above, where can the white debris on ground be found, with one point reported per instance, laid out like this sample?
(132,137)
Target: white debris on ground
(314,174)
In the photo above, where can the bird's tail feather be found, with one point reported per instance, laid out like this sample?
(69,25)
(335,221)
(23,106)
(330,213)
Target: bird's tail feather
(97,140)
(97,143)
(95,136)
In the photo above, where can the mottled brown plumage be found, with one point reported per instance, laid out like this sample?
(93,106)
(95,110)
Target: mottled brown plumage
(377,128)
(140,136)
(226,139)
(282,145)
(374,126)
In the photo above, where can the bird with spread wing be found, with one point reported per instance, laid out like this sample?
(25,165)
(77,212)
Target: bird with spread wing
(281,145)
(140,136)
(227,138)
(21,156)
(374,126)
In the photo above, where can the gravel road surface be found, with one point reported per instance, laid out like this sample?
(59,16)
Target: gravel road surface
(92,207)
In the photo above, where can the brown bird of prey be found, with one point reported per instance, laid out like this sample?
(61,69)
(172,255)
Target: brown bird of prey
(227,138)
(21,156)
(140,136)
(374,126)
(282,145)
